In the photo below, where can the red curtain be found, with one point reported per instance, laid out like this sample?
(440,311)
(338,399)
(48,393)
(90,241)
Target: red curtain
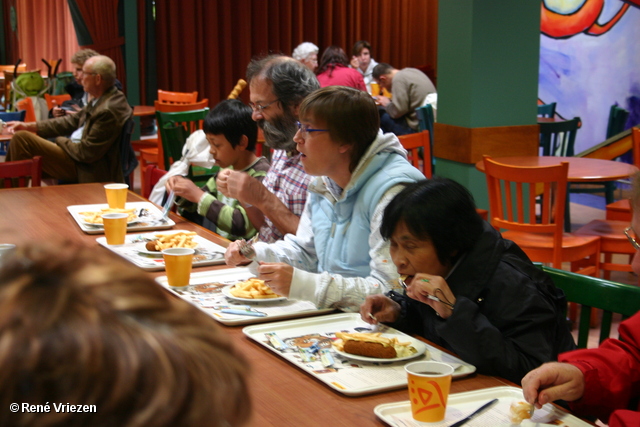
(46,34)
(101,19)
(205,45)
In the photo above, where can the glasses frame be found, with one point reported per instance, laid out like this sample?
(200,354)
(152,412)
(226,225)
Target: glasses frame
(260,108)
(305,130)
(632,240)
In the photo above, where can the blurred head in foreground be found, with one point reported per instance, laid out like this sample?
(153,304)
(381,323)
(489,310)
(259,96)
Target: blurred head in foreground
(81,327)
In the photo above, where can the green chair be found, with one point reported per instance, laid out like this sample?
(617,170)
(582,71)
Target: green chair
(174,130)
(547,110)
(591,292)
(617,120)
(425,122)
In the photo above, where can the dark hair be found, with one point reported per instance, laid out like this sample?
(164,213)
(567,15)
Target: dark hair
(381,69)
(350,115)
(439,210)
(332,56)
(232,118)
(357,48)
(291,81)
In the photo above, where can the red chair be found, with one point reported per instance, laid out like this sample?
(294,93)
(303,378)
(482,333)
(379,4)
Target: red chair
(56,100)
(412,143)
(21,171)
(152,176)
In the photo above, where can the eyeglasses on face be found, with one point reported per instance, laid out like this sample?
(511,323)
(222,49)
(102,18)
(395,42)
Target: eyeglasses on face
(632,239)
(305,130)
(259,108)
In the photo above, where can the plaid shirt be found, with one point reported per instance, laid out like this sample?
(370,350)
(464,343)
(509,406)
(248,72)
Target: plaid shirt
(286,179)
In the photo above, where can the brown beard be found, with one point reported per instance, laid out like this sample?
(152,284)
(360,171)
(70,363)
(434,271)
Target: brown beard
(279,132)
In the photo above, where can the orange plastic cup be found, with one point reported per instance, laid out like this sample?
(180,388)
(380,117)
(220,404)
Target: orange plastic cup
(429,384)
(116,195)
(375,89)
(177,262)
(115,227)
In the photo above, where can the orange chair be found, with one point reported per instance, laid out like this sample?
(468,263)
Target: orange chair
(56,100)
(5,89)
(22,170)
(27,105)
(412,143)
(177,97)
(611,231)
(152,176)
(541,235)
(155,155)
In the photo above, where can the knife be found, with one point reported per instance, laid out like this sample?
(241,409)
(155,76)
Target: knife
(243,312)
(475,413)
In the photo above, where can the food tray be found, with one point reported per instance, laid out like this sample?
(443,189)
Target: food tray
(204,291)
(153,221)
(347,376)
(460,405)
(207,252)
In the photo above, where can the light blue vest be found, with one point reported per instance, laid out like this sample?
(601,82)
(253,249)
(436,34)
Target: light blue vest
(341,229)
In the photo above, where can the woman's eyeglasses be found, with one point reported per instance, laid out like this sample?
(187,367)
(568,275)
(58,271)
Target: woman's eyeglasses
(304,129)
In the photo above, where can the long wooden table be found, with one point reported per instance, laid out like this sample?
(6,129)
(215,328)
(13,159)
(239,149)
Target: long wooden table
(282,394)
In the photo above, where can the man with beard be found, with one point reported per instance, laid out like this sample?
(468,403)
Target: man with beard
(277,85)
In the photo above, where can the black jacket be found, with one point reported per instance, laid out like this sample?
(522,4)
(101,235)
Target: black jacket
(508,317)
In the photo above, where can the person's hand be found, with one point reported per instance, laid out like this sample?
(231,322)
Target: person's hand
(277,275)
(383,308)
(242,187)
(553,381)
(233,257)
(58,112)
(13,127)
(422,285)
(184,188)
(383,100)
(221,181)
(355,63)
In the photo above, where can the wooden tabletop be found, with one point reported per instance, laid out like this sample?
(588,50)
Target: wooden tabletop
(581,169)
(144,110)
(282,394)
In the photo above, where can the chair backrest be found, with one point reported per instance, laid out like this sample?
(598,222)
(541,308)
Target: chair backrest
(513,191)
(21,67)
(151,177)
(590,292)
(617,120)
(13,116)
(167,107)
(425,122)
(26,104)
(558,138)
(177,97)
(56,100)
(21,171)
(128,158)
(547,110)
(419,147)
(175,128)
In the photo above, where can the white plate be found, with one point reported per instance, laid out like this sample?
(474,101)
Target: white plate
(133,221)
(226,291)
(157,254)
(152,221)
(418,345)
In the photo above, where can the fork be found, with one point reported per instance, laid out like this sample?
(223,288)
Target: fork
(246,248)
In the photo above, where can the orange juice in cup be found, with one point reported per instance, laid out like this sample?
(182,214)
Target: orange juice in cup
(116,195)
(429,384)
(386,93)
(177,262)
(375,89)
(115,227)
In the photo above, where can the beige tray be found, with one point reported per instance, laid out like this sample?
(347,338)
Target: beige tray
(153,221)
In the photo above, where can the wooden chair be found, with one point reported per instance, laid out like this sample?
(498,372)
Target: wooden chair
(414,143)
(547,110)
(21,171)
(152,176)
(558,138)
(425,122)
(177,97)
(513,192)
(238,88)
(617,120)
(5,89)
(591,292)
(26,104)
(56,100)
(620,210)
(153,154)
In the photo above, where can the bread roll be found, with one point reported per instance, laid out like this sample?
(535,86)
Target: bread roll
(369,349)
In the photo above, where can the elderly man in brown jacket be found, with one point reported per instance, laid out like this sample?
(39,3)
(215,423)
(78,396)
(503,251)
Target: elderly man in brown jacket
(92,152)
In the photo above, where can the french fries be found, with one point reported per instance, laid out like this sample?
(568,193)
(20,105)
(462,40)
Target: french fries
(253,289)
(175,240)
(96,217)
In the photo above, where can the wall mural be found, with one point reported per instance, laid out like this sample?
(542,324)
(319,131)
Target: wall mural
(589,61)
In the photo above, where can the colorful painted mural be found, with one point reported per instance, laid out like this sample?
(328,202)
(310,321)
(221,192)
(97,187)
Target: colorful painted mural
(589,61)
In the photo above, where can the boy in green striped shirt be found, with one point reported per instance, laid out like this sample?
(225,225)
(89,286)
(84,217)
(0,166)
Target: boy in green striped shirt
(232,135)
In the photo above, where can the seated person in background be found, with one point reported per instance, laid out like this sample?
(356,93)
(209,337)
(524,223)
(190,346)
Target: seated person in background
(232,134)
(603,382)
(362,61)
(92,152)
(307,53)
(337,257)
(334,70)
(496,310)
(409,88)
(83,327)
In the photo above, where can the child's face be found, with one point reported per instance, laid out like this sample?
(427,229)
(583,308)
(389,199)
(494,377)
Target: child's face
(224,154)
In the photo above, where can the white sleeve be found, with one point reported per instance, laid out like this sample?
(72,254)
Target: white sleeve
(348,293)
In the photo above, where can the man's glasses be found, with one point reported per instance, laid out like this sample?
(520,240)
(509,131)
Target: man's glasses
(631,239)
(259,108)
(304,129)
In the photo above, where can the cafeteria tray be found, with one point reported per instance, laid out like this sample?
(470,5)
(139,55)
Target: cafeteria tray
(347,376)
(460,405)
(153,221)
(204,291)
(207,252)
